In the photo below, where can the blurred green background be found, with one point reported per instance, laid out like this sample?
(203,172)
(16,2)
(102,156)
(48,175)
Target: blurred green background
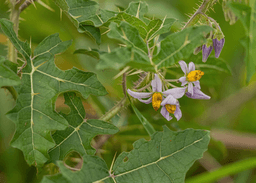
(230,114)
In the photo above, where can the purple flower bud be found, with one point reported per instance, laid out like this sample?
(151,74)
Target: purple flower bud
(218,45)
(206,52)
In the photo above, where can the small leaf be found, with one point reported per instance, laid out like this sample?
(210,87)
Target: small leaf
(78,136)
(137,9)
(42,82)
(166,158)
(179,46)
(128,35)
(148,127)
(22,47)
(8,73)
(157,27)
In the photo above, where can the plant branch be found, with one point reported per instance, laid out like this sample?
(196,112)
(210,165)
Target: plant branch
(26,4)
(202,9)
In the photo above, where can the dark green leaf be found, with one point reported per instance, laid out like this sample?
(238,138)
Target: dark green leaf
(78,136)
(180,45)
(166,158)
(42,82)
(8,73)
(22,47)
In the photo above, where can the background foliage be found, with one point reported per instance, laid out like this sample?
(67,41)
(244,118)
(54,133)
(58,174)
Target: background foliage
(221,113)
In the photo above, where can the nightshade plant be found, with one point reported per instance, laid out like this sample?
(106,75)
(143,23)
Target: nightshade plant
(148,48)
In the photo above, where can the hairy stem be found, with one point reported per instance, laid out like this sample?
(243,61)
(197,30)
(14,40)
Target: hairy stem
(202,9)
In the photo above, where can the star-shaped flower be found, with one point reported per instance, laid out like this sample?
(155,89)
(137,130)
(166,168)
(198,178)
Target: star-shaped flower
(157,95)
(191,77)
(171,106)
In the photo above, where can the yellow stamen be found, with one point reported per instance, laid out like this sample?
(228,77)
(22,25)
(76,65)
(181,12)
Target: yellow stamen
(156,100)
(170,108)
(195,75)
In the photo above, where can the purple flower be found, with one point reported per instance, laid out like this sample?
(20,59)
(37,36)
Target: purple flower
(156,96)
(171,106)
(197,94)
(206,51)
(191,77)
(218,45)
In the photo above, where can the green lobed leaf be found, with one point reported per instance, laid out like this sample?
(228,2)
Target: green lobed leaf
(247,15)
(8,73)
(42,82)
(179,46)
(165,158)
(78,136)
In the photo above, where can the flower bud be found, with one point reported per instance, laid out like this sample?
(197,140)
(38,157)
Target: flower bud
(218,45)
(206,52)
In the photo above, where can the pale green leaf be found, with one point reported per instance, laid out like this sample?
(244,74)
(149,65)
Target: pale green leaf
(34,113)
(8,73)
(138,9)
(158,27)
(78,136)
(121,57)
(166,158)
(179,46)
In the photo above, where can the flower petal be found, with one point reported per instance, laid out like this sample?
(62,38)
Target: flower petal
(169,100)
(156,84)
(139,95)
(198,94)
(175,92)
(165,114)
(190,88)
(183,66)
(191,67)
(183,80)
(218,45)
(197,84)
(148,101)
(206,51)
(177,113)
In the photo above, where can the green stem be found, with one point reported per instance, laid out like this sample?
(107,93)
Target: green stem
(202,9)
(14,17)
(112,112)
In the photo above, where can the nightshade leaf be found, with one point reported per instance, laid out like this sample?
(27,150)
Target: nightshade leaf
(78,136)
(128,35)
(8,73)
(84,15)
(34,113)
(179,46)
(22,47)
(166,158)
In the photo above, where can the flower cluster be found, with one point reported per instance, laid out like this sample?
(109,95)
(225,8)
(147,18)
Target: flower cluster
(168,99)
(217,44)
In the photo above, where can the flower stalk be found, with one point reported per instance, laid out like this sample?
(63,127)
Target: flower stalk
(202,9)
